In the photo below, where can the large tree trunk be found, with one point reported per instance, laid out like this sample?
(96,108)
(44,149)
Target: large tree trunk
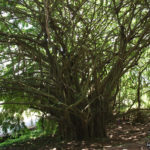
(82,128)
(92,124)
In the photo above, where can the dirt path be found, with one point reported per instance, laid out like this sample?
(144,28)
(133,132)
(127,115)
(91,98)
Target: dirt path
(128,137)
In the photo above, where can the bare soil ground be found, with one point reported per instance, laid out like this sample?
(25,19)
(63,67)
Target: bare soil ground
(126,136)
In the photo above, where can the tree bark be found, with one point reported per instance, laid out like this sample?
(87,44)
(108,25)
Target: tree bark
(80,128)
(139,90)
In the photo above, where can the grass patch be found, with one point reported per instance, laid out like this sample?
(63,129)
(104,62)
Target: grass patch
(30,135)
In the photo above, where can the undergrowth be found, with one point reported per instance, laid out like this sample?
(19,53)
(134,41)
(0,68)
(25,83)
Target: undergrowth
(30,135)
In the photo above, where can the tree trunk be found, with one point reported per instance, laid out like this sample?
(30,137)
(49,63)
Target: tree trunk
(139,90)
(79,128)
(139,115)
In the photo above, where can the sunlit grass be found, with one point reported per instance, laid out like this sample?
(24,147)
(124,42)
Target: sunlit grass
(23,138)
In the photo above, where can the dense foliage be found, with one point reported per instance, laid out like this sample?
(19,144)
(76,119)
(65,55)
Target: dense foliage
(70,59)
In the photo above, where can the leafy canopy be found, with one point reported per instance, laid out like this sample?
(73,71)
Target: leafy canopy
(62,55)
